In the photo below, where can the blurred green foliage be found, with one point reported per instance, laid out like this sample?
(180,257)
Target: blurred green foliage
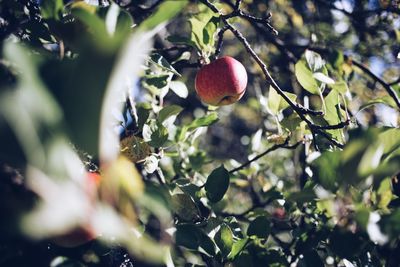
(256,183)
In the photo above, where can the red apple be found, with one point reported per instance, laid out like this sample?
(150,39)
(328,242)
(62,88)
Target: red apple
(222,82)
(279,213)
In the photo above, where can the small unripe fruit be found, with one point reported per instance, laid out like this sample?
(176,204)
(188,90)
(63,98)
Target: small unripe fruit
(222,82)
(93,177)
(77,237)
(134,148)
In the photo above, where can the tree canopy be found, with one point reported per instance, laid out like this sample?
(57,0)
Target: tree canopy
(108,157)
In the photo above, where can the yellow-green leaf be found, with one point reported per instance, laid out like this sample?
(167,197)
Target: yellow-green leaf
(305,77)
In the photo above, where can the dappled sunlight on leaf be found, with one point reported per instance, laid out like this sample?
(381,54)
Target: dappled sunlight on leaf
(121,182)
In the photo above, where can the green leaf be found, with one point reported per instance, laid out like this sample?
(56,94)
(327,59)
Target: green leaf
(21,115)
(384,193)
(184,207)
(199,122)
(124,22)
(207,244)
(328,169)
(396,88)
(187,187)
(303,196)
(159,137)
(117,21)
(314,60)
(334,114)
(390,139)
(198,24)
(187,235)
(197,160)
(86,14)
(272,194)
(81,95)
(155,134)
(209,31)
(161,62)
(276,103)
(179,88)
(323,78)
(362,217)
(191,237)
(245,259)
(157,81)
(217,184)
(305,77)
(357,159)
(386,100)
(371,159)
(336,58)
(169,111)
(291,123)
(340,87)
(259,227)
(181,40)
(237,248)
(166,11)
(224,239)
(391,223)
(204,121)
(52,9)
(143,114)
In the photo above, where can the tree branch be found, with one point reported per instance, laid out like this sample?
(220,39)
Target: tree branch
(273,148)
(387,86)
(220,41)
(389,89)
(299,109)
(278,43)
(395,82)
(256,203)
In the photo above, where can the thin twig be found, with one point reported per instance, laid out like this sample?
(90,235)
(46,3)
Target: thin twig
(220,41)
(273,148)
(340,125)
(395,82)
(385,85)
(300,110)
(237,4)
(263,21)
(388,86)
(256,203)
(237,12)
